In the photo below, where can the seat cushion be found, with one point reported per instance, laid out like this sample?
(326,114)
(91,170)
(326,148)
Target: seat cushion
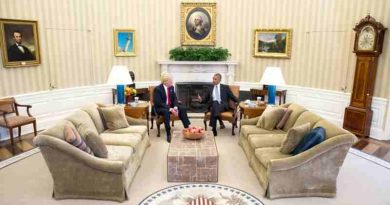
(120,153)
(265,140)
(128,139)
(270,118)
(16,120)
(140,129)
(227,115)
(253,129)
(265,155)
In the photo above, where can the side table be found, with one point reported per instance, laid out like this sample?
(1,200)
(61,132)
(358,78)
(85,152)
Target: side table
(250,112)
(139,110)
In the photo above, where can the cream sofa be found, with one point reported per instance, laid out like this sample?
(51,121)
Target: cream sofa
(310,173)
(77,174)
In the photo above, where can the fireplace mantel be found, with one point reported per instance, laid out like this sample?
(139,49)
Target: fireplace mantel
(199,71)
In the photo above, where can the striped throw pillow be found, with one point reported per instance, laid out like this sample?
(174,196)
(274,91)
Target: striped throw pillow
(73,137)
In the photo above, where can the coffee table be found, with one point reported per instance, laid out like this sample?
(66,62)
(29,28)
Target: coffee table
(192,160)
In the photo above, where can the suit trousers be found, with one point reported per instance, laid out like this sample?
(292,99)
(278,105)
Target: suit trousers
(215,111)
(167,117)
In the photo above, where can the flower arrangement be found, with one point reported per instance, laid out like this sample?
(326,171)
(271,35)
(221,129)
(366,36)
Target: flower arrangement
(129,91)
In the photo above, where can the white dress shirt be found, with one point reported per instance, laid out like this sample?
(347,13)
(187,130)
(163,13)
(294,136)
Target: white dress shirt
(166,93)
(215,97)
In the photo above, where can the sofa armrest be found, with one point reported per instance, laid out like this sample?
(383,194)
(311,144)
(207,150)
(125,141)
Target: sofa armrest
(251,121)
(79,155)
(316,151)
(134,121)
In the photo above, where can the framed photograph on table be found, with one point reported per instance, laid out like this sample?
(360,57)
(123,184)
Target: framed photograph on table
(124,42)
(198,23)
(272,43)
(19,43)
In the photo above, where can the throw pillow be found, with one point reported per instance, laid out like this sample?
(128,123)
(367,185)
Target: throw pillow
(96,144)
(270,117)
(311,139)
(284,119)
(72,136)
(114,117)
(293,137)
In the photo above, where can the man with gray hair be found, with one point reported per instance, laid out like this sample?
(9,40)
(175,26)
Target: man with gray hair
(165,103)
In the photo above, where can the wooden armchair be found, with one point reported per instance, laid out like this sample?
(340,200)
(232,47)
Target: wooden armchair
(154,116)
(10,106)
(231,114)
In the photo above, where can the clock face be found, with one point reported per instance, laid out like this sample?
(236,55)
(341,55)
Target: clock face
(366,39)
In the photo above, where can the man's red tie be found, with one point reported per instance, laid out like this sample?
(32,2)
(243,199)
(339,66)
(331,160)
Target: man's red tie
(169,97)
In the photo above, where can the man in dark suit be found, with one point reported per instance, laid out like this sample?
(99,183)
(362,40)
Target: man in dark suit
(18,52)
(165,103)
(217,100)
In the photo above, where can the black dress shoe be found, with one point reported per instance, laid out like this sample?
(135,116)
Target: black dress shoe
(169,137)
(214,132)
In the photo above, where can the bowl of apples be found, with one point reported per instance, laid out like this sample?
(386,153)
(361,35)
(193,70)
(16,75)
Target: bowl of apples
(193,133)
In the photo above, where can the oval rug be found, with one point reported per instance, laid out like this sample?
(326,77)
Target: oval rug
(200,194)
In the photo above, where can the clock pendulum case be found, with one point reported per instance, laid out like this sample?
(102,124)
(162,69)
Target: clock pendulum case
(368,46)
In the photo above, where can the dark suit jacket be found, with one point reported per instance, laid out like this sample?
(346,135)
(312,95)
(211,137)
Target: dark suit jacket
(225,93)
(160,97)
(14,54)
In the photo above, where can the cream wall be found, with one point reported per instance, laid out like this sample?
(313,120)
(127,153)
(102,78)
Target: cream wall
(76,40)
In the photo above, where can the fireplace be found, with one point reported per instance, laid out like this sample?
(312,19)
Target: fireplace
(187,93)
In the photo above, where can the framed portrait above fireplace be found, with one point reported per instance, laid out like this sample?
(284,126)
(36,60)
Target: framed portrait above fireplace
(198,23)
(272,43)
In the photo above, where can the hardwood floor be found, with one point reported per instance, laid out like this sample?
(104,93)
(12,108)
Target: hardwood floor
(377,148)
(21,145)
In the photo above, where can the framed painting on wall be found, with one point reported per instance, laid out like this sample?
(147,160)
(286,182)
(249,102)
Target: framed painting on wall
(124,42)
(198,23)
(19,43)
(272,43)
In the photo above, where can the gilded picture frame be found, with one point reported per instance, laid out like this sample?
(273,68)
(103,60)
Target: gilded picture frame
(19,41)
(272,43)
(125,42)
(198,24)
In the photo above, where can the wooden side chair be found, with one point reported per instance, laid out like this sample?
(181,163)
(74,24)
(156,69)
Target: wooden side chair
(10,106)
(231,114)
(154,116)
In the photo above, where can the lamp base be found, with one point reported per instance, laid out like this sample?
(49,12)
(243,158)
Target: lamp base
(120,91)
(271,94)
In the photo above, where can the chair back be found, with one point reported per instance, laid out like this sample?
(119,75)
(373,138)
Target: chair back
(151,94)
(236,92)
(7,105)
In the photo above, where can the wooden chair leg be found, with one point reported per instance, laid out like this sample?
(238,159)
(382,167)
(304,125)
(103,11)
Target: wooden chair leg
(234,125)
(205,124)
(35,128)
(20,132)
(11,136)
(173,123)
(151,120)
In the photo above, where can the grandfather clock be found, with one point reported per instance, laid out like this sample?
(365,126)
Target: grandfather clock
(368,46)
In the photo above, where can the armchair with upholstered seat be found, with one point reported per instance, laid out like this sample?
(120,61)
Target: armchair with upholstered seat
(10,106)
(231,114)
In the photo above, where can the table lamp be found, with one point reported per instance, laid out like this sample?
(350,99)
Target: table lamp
(272,77)
(120,77)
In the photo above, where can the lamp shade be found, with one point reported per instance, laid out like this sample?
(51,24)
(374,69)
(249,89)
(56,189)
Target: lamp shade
(119,75)
(272,76)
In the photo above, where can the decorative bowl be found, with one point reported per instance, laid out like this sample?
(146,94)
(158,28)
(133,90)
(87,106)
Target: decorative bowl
(193,133)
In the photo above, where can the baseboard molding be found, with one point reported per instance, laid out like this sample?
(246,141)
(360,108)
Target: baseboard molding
(51,106)
(18,157)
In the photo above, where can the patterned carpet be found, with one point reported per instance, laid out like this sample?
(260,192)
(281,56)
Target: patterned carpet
(200,194)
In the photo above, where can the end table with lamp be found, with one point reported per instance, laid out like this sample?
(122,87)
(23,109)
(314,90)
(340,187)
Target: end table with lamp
(272,77)
(120,77)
